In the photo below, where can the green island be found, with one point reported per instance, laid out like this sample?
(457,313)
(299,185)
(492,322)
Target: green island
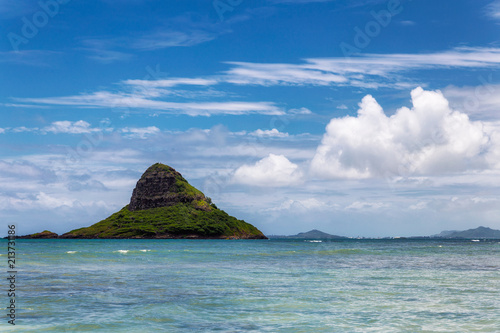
(165,205)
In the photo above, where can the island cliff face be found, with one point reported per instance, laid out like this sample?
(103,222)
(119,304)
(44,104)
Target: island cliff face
(165,205)
(162,186)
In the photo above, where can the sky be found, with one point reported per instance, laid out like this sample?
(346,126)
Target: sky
(362,118)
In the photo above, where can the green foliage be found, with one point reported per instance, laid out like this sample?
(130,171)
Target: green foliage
(160,167)
(186,188)
(180,220)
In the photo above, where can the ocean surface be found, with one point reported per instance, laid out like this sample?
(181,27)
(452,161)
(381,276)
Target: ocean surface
(255,286)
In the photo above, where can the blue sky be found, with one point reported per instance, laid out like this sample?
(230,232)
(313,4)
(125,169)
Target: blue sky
(359,118)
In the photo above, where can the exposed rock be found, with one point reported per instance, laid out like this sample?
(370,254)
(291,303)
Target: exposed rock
(162,186)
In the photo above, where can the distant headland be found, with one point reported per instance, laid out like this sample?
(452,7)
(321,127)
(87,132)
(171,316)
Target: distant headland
(477,233)
(165,205)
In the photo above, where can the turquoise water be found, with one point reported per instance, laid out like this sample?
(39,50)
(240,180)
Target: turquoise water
(256,286)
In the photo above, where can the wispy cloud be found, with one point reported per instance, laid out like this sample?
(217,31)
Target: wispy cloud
(182,31)
(172,38)
(493,10)
(369,70)
(28,57)
(272,74)
(106,50)
(480,102)
(130,101)
(171,82)
(407,23)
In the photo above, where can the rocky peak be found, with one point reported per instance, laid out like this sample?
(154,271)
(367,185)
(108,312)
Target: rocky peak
(162,186)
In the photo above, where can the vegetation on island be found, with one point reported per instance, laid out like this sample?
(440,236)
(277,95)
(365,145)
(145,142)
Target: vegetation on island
(177,221)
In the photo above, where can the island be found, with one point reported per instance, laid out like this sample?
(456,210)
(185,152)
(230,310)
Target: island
(165,205)
(312,234)
(480,232)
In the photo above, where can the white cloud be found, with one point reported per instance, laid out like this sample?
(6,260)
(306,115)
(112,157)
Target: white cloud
(493,9)
(269,133)
(272,74)
(342,107)
(300,111)
(122,100)
(172,38)
(69,127)
(273,170)
(418,206)
(365,205)
(481,101)
(171,82)
(2,130)
(140,132)
(430,139)
(24,129)
(47,201)
(303,205)
(24,170)
(407,23)
(368,70)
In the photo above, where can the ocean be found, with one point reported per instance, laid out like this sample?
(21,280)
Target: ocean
(277,285)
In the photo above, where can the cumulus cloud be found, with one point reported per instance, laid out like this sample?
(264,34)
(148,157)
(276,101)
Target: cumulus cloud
(430,138)
(273,170)
(269,133)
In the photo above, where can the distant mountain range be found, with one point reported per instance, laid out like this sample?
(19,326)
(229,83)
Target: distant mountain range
(312,234)
(480,232)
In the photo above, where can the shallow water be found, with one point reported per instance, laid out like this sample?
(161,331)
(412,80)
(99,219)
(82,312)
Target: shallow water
(259,286)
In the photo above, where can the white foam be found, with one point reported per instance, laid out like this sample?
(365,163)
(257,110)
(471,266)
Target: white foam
(122,251)
(71,251)
(145,250)
(315,241)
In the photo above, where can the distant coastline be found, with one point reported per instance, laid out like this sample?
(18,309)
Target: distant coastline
(477,233)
